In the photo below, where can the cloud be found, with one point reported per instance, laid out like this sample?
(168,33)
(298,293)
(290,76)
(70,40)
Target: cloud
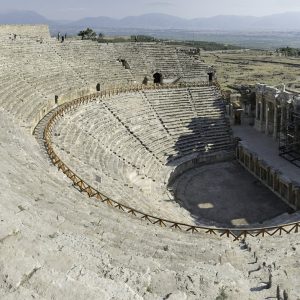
(75,9)
(160,4)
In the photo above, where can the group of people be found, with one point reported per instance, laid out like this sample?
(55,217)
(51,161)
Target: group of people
(61,38)
(13,37)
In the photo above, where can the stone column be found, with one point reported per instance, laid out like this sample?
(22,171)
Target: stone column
(274,180)
(290,192)
(298,199)
(256,109)
(258,116)
(260,121)
(275,133)
(267,118)
(287,117)
(282,117)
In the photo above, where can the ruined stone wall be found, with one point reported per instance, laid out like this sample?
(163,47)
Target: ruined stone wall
(40,31)
(194,161)
(286,189)
(269,102)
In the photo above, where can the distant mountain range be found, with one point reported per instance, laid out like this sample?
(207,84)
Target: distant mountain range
(279,22)
(284,21)
(22,17)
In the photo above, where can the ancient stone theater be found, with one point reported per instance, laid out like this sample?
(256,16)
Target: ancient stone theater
(123,175)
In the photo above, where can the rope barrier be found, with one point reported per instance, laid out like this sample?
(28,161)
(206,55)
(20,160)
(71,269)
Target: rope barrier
(84,187)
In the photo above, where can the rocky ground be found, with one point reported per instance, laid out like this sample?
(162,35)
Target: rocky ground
(55,243)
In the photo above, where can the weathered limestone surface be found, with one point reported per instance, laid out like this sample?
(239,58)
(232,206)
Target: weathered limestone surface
(56,243)
(33,31)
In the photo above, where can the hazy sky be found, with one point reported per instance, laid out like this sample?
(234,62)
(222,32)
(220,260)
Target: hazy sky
(74,9)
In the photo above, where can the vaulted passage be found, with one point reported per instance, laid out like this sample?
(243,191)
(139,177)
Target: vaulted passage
(157,78)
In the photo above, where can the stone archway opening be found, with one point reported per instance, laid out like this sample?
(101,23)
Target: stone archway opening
(157,78)
(98,87)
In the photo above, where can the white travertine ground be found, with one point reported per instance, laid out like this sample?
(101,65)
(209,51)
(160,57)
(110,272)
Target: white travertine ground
(55,243)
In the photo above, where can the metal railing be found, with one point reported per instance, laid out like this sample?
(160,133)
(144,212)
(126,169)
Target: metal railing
(84,187)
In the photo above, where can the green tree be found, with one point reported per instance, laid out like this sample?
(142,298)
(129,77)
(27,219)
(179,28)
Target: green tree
(88,34)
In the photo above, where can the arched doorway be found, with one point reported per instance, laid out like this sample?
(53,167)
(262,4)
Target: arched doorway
(98,87)
(157,78)
(210,76)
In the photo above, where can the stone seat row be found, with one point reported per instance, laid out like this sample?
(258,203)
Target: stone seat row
(104,161)
(106,122)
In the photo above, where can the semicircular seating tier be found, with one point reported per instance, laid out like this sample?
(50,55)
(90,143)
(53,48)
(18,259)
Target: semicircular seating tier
(34,71)
(126,146)
(71,245)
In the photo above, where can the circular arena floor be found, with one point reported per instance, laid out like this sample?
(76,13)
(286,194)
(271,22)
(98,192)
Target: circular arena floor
(226,194)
